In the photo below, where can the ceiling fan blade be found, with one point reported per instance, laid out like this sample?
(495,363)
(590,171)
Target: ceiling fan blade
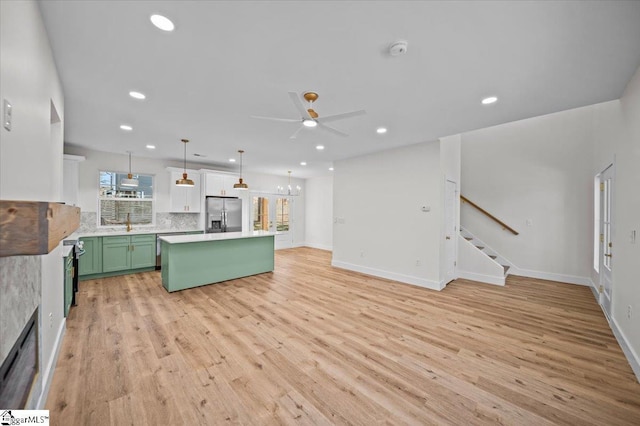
(285,120)
(334,117)
(298,104)
(331,129)
(295,134)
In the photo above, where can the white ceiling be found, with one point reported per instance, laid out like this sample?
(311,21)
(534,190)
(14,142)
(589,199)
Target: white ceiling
(227,60)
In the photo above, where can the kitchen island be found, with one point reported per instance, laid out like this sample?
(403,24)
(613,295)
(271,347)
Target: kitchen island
(194,260)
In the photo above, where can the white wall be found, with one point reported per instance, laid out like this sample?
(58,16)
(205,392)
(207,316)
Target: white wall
(95,161)
(31,154)
(260,183)
(536,176)
(450,162)
(319,213)
(380,227)
(618,138)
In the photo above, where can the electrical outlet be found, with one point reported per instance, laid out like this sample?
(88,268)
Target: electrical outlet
(362,253)
(418,263)
(629,311)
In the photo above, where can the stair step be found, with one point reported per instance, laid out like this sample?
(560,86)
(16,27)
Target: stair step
(506,268)
(479,247)
(493,256)
(468,238)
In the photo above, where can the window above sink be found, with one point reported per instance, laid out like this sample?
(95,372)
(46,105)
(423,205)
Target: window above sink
(117,203)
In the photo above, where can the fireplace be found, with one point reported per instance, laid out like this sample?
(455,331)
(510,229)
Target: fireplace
(20,368)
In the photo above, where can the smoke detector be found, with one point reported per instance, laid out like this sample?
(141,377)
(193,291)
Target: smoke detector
(398,48)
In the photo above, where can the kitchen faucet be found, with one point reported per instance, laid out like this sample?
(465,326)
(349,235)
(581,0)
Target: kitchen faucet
(129,222)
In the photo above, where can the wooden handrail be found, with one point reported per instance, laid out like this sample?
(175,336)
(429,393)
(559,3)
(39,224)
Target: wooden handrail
(486,213)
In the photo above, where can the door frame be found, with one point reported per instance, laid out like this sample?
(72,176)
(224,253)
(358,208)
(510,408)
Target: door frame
(283,240)
(453,241)
(606,180)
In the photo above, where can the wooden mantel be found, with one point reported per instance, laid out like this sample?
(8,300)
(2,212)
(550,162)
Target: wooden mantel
(35,227)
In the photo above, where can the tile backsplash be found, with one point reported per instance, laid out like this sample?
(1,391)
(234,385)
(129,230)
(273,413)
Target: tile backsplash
(20,283)
(164,221)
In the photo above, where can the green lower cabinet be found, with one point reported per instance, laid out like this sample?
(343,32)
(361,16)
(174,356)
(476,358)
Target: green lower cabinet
(143,253)
(120,253)
(116,253)
(91,261)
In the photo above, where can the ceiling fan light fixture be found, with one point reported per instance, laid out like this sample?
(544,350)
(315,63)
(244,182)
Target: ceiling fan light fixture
(307,122)
(240,185)
(185,181)
(129,181)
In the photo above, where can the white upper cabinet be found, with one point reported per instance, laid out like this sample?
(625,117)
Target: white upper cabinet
(220,185)
(185,199)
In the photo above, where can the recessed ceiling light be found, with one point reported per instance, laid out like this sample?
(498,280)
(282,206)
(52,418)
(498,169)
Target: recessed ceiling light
(126,127)
(489,100)
(137,95)
(232,160)
(151,147)
(319,147)
(303,163)
(309,123)
(381,130)
(162,22)
(331,169)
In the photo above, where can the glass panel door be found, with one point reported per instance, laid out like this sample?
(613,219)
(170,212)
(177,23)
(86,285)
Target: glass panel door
(261,214)
(274,213)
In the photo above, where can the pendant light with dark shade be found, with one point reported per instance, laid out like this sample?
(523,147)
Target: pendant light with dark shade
(240,184)
(129,181)
(185,181)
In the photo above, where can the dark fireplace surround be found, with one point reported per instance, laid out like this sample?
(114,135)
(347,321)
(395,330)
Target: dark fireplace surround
(20,368)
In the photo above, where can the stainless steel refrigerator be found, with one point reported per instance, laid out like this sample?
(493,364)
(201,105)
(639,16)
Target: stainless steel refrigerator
(224,214)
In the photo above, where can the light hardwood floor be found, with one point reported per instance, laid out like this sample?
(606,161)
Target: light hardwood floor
(310,344)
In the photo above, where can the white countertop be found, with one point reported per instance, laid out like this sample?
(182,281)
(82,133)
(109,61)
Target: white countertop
(195,238)
(123,231)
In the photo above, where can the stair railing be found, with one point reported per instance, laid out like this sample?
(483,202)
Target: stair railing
(489,215)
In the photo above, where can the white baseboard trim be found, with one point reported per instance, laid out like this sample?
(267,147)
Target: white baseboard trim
(631,355)
(47,375)
(319,246)
(571,279)
(487,279)
(594,290)
(407,279)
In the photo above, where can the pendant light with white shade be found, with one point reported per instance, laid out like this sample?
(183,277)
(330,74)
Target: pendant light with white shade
(129,181)
(185,181)
(240,185)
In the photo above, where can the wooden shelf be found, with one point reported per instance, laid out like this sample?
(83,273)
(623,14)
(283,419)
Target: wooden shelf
(35,227)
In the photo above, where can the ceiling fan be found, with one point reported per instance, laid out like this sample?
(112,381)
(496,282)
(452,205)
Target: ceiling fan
(310,118)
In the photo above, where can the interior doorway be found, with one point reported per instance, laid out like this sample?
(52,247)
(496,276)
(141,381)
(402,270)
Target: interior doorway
(606,245)
(450,230)
(274,213)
